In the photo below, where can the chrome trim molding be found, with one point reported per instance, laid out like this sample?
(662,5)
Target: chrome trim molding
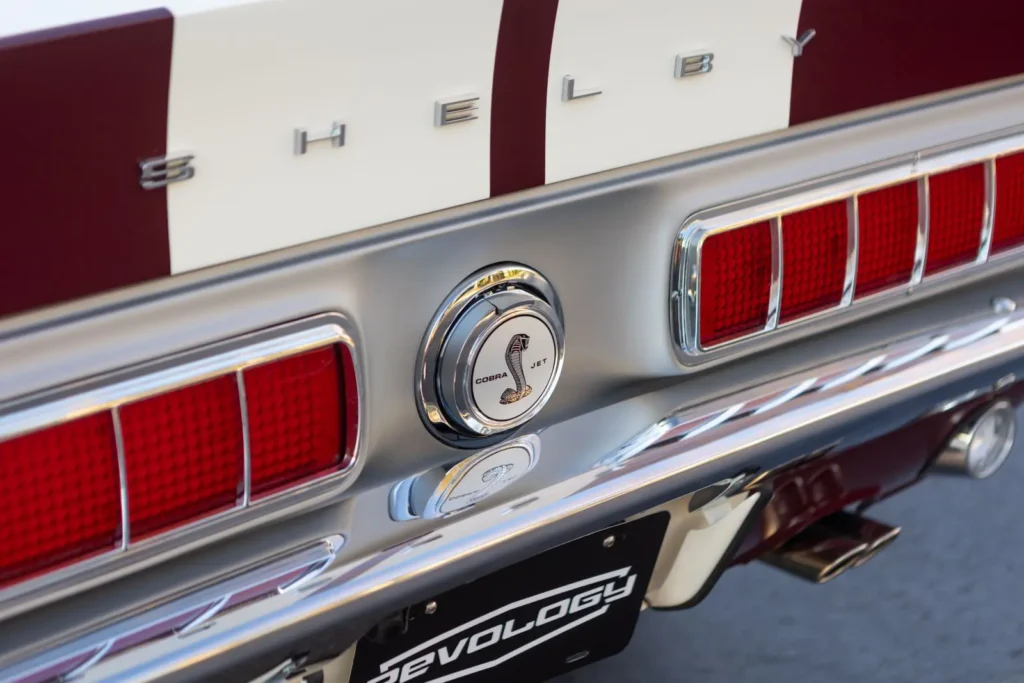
(180,618)
(122,477)
(988,222)
(686,256)
(852,250)
(113,390)
(752,431)
(775,288)
(243,405)
(924,224)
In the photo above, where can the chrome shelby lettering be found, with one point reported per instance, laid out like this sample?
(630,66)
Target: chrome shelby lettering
(585,600)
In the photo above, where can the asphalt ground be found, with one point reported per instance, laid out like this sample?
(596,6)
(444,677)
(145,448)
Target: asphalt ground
(943,604)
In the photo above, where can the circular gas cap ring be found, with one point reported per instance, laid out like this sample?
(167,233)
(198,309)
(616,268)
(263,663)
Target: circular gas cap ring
(491,357)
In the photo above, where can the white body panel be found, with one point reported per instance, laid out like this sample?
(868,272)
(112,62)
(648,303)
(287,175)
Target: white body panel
(245,77)
(628,50)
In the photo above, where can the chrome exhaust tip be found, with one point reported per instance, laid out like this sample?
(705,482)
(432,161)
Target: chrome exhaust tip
(817,554)
(875,534)
(830,546)
(981,442)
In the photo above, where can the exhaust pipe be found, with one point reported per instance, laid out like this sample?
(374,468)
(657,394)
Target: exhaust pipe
(875,534)
(830,546)
(980,444)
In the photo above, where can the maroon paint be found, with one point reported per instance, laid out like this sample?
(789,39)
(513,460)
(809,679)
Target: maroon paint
(871,52)
(519,95)
(83,104)
(863,474)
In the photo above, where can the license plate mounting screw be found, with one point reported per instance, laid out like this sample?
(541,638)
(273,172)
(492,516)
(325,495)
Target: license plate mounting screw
(430,607)
(609,541)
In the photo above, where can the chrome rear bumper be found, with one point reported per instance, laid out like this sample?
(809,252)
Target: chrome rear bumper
(267,612)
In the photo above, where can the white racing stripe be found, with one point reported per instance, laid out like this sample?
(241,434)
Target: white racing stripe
(628,49)
(243,78)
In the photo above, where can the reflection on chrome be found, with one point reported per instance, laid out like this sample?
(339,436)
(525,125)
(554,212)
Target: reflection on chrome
(690,423)
(180,618)
(690,449)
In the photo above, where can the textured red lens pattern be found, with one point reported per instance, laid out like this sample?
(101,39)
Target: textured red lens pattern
(814,248)
(60,496)
(735,279)
(1008,231)
(956,202)
(295,419)
(183,455)
(888,237)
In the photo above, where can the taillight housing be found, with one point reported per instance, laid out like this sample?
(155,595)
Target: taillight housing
(785,260)
(194,441)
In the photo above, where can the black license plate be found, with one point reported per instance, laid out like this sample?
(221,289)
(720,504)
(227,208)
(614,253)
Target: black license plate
(557,611)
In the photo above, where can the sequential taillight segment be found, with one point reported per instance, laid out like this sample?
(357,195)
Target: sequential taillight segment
(184,458)
(1008,231)
(889,223)
(956,202)
(854,247)
(814,248)
(736,273)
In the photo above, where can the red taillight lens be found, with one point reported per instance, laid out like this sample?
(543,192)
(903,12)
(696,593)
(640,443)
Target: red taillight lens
(888,237)
(814,250)
(296,419)
(956,202)
(1008,231)
(735,279)
(183,455)
(59,496)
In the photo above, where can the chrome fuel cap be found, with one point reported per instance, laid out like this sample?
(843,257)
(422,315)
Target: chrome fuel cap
(492,355)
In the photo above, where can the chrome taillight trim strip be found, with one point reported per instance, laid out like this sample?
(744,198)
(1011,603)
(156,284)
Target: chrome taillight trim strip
(924,224)
(122,477)
(243,405)
(988,222)
(118,388)
(852,250)
(848,186)
(775,288)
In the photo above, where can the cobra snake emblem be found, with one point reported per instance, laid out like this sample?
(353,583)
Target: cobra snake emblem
(514,359)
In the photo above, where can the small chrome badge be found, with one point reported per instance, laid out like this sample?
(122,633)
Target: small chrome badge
(694,65)
(456,110)
(570,92)
(797,45)
(514,360)
(159,172)
(336,135)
